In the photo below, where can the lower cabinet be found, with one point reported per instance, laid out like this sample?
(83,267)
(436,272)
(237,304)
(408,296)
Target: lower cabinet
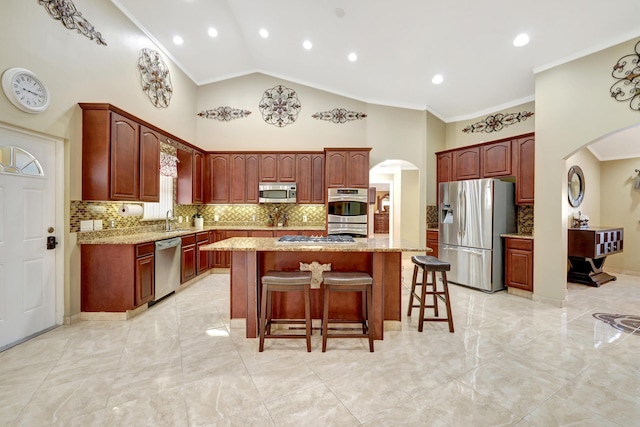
(202,265)
(519,263)
(188,263)
(432,242)
(116,278)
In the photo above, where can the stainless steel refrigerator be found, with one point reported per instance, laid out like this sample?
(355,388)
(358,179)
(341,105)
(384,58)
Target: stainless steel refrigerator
(472,215)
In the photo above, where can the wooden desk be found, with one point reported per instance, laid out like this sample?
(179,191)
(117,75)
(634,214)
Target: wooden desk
(587,249)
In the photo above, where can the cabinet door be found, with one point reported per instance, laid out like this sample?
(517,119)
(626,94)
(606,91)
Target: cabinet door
(268,168)
(496,159)
(318,191)
(144,282)
(203,256)
(125,147)
(237,178)
(218,259)
(432,242)
(358,169)
(519,264)
(304,180)
(198,177)
(188,270)
(252,177)
(286,168)
(524,155)
(219,170)
(466,163)
(445,167)
(149,165)
(336,168)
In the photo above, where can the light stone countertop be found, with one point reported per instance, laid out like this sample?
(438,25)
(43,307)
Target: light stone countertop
(110,237)
(517,236)
(270,244)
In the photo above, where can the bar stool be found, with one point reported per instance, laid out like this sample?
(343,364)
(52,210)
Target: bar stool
(348,281)
(284,281)
(433,265)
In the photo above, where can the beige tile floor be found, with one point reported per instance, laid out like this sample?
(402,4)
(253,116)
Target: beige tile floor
(511,361)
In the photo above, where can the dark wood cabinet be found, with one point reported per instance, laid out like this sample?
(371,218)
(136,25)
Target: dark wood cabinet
(243,178)
(381,223)
(496,159)
(145,273)
(278,167)
(524,158)
(310,181)
(432,242)
(202,265)
(218,259)
(347,168)
(189,258)
(252,177)
(587,250)
(190,188)
(519,263)
(467,163)
(444,167)
(120,157)
(218,188)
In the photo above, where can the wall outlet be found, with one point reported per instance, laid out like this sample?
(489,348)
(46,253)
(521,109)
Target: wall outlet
(97,224)
(86,225)
(304,218)
(216,217)
(180,219)
(253,217)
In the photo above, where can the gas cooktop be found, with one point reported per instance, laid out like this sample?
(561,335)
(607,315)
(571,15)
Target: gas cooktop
(316,239)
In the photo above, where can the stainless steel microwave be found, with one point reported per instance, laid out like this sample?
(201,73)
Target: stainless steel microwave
(277,192)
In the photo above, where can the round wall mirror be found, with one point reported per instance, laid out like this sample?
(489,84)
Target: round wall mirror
(576,186)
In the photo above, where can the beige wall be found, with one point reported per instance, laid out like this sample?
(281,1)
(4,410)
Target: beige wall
(590,205)
(436,141)
(573,108)
(621,208)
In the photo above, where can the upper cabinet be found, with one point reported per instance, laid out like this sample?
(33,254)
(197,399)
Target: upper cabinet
(217,188)
(502,158)
(120,156)
(524,155)
(310,183)
(190,188)
(347,167)
(244,178)
(278,167)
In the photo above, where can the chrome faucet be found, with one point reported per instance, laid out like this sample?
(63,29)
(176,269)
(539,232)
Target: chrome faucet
(169,217)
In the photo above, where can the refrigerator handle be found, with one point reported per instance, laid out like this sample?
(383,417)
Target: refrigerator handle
(464,223)
(459,216)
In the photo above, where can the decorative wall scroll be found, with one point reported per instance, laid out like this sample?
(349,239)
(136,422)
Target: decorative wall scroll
(155,78)
(339,115)
(224,114)
(496,122)
(627,72)
(622,322)
(65,12)
(279,106)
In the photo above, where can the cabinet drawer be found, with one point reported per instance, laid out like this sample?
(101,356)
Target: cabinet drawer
(189,240)
(522,244)
(432,235)
(145,249)
(202,237)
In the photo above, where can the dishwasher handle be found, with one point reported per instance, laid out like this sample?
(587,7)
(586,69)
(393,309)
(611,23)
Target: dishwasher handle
(168,243)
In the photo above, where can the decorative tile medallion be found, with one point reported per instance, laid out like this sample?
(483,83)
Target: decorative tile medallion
(224,114)
(339,115)
(627,72)
(622,322)
(155,78)
(316,270)
(279,106)
(496,122)
(65,12)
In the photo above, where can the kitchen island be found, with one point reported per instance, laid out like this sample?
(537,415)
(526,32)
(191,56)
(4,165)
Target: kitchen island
(253,256)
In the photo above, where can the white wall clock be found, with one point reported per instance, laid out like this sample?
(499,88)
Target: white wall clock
(25,90)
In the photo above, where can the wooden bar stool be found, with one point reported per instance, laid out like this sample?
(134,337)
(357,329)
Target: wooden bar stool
(348,281)
(284,281)
(433,265)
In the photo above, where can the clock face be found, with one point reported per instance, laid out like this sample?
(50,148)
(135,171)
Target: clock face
(25,90)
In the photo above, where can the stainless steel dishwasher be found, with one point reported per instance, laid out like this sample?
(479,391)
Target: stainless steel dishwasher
(167,270)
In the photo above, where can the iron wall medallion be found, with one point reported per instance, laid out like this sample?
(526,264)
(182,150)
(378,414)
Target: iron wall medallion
(155,78)
(339,115)
(279,106)
(224,114)
(65,12)
(627,73)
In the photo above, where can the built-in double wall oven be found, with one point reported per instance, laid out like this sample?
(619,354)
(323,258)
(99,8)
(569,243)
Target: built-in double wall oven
(347,211)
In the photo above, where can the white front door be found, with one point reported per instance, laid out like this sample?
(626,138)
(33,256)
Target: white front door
(27,218)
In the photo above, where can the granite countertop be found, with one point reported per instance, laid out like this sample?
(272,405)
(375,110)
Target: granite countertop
(270,244)
(432,229)
(518,236)
(111,237)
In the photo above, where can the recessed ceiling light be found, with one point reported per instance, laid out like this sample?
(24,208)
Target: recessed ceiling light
(340,12)
(264,33)
(353,57)
(213,32)
(307,44)
(178,40)
(437,79)
(521,40)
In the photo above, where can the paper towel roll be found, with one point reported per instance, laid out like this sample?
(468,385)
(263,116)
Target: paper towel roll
(130,210)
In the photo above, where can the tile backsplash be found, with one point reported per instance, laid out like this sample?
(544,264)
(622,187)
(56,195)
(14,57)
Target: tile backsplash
(524,218)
